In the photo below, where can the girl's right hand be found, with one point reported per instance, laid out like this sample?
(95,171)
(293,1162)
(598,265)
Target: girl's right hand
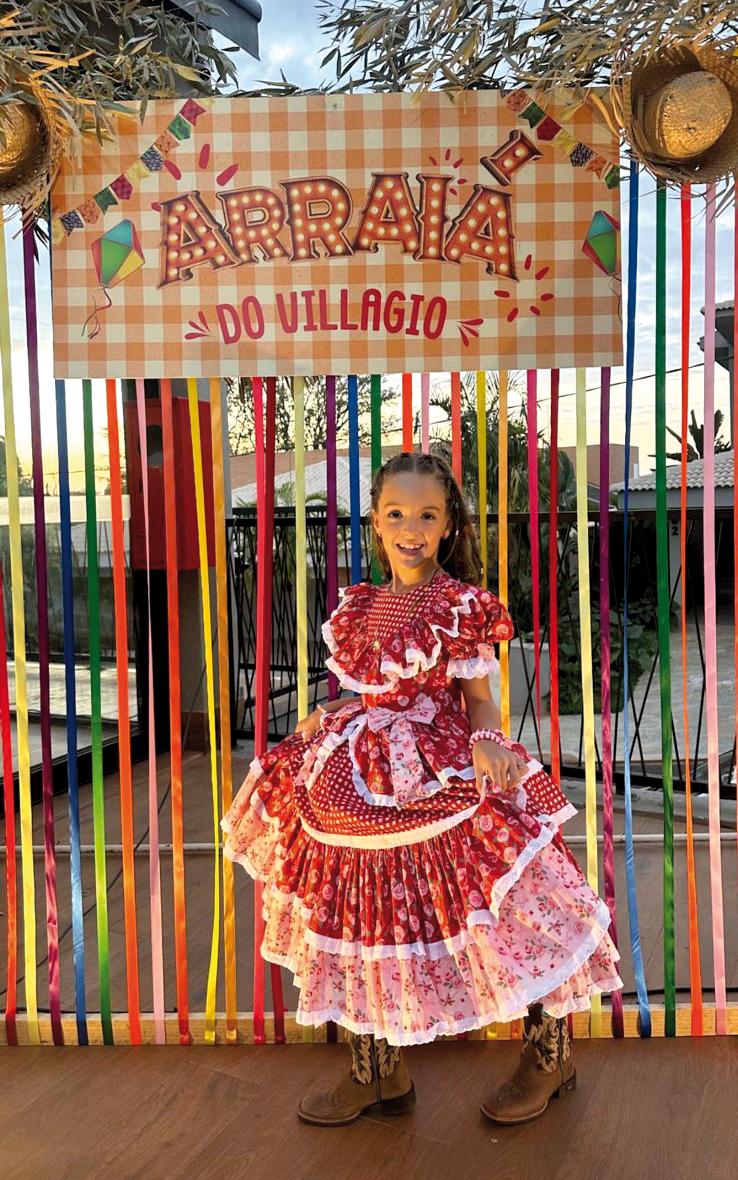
(309,725)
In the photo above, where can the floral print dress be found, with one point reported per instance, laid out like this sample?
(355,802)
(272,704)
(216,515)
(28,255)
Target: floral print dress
(405,904)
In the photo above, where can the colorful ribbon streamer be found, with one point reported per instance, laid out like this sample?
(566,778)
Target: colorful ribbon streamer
(407,411)
(425,413)
(157,940)
(376,419)
(298,388)
(331,544)
(224,702)
(502,476)
(695,968)
(354,478)
(262,659)
(175,715)
(633,922)
(70,683)
(98,790)
(11,884)
(481,389)
(663,622)
(585,632)
(711,689)
(553,580)
(608,852)
(532,406)
(125,774)
(456,426)
(264,422)
(19,653)
(42,601)
(207,626)
(331,515)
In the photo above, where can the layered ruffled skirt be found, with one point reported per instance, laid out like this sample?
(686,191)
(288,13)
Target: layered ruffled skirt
(430,935)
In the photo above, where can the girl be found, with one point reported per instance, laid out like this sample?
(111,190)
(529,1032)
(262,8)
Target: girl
(415,879)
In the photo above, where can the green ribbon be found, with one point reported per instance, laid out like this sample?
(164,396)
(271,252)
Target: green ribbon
(662,598)
(376,418)
(98,794)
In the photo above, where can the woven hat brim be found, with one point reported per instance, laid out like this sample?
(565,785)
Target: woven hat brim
(647,77)
(31,192)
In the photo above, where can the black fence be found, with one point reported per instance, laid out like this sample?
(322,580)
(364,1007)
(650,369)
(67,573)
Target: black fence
(644,679)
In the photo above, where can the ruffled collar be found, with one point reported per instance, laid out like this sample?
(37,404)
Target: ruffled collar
(368,665)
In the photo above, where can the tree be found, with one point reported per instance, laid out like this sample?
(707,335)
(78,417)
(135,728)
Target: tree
(241,414)
(517,436)
(696,449)
(389,45)
(24,482)
(91,54)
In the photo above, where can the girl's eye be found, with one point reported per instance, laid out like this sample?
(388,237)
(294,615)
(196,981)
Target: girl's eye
(393,512)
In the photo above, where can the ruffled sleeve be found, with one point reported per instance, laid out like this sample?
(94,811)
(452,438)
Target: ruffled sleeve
(459,623)
(483,621)
(344,632)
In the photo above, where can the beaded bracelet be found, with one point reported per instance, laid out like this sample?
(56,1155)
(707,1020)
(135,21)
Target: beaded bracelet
(493,735)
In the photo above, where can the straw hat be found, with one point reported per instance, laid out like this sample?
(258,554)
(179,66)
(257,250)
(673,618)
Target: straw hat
(34,136)
(678,107)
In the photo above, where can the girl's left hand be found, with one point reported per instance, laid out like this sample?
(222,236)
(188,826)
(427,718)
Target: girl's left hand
(503,766)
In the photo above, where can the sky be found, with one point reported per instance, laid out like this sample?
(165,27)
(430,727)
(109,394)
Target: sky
(290,41)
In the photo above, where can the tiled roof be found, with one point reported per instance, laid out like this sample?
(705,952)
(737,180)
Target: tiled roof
(695,475)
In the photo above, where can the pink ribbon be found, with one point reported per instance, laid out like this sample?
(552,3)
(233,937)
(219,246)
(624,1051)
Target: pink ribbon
(406,768)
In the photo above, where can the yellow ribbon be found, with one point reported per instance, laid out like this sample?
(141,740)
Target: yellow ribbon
(585,627)
(19,647)
(226,769)
(502,550)
(210,681)
(482,467)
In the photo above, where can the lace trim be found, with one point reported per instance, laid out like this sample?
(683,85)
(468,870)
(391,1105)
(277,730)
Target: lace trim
(470,669)
(420,661)
(511,1006)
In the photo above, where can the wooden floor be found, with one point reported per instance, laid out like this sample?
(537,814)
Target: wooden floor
(199,890)
(663,1110)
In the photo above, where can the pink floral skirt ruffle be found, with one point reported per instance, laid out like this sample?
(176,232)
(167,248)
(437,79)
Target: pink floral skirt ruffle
(426,939)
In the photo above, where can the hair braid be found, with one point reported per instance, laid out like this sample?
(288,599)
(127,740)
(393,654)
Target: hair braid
(459,553)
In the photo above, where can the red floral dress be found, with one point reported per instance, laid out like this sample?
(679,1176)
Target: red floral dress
(404,904)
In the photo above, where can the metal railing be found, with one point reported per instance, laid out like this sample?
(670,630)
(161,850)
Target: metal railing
(644,680)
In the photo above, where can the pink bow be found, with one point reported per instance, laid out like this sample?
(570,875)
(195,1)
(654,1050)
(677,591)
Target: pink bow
(406,768)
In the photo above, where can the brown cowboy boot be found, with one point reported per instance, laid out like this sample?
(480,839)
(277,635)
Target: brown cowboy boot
(545,1070)
(379,1076)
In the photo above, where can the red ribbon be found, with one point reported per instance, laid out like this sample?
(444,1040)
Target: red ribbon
(11,885)
(42,598)
(553,569)
(125,778)
(175,718)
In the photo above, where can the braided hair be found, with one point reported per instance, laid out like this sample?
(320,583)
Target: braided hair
(458,554)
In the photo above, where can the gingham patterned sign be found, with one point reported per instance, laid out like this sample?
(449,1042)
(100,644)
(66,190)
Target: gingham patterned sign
(338,234)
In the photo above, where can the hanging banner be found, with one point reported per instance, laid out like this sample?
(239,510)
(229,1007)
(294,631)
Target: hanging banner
(339,234)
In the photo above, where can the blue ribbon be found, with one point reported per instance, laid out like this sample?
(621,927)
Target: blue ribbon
(635,937)
(65,527)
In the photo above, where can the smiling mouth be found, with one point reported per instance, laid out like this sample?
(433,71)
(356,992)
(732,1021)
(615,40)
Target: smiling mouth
(409,549)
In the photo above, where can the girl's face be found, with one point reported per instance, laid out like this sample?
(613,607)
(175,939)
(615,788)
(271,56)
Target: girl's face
(411,520)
